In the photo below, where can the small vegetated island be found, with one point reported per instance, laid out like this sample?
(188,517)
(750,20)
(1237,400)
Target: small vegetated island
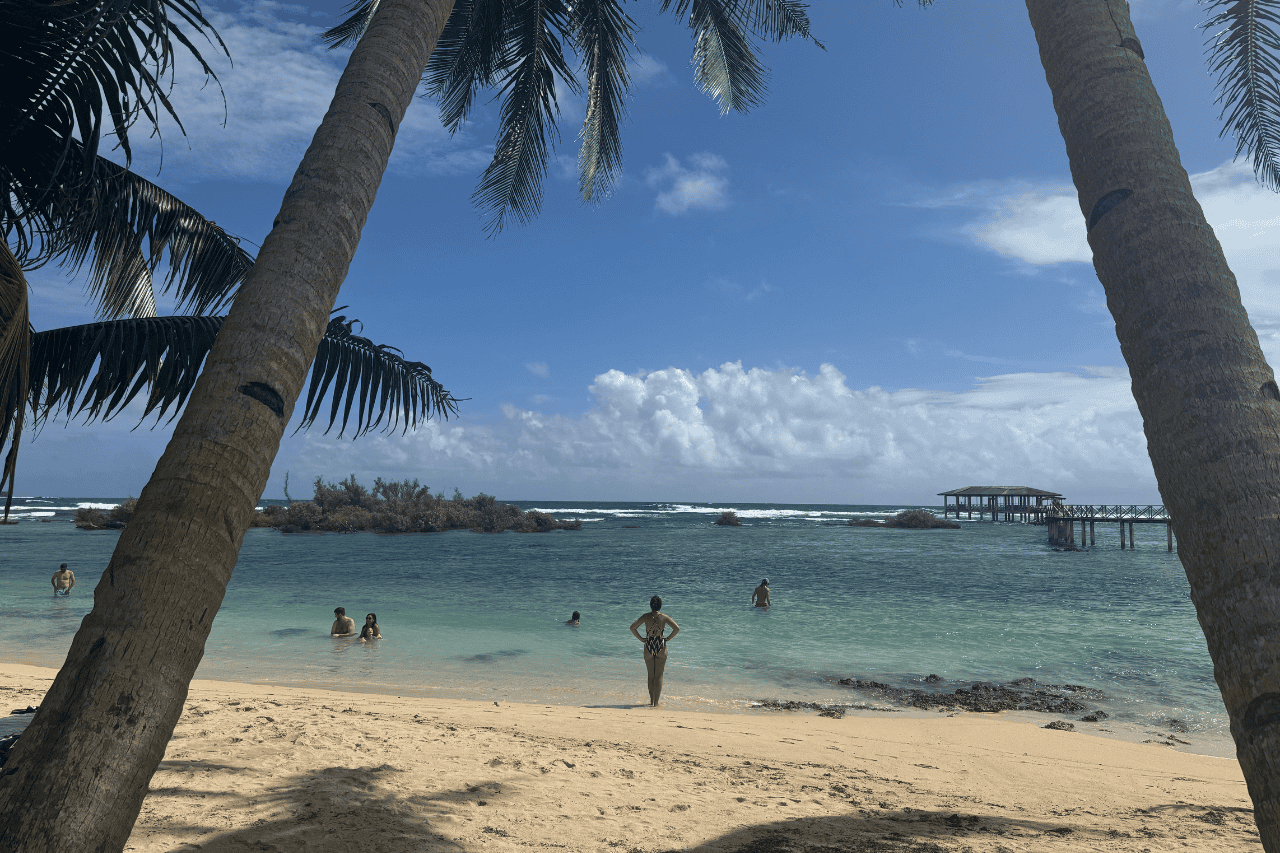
(911,519)
(403,507)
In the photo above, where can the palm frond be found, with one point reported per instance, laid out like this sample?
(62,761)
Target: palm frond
(1243,53)
(94,371)
(724,65)
(468,56)
(389,387)
(73,70)
(350,31)
(781,19)
(125,224)
(604,39)
(98,369)
(512,183)
(15,358)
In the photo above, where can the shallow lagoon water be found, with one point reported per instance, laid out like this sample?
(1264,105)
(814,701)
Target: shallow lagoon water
(480,616)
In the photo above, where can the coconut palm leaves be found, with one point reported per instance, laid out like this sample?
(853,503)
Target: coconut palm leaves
(163,355)
(95,371)
(77,69)
(122,225)
(518,48)
(1243,53)
(15,358)
(74,70)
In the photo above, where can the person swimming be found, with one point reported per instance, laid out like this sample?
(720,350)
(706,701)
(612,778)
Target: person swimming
(574,620)
(655,645)
(370,630)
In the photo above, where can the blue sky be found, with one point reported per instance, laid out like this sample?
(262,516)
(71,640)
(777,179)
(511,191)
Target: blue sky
(872,289)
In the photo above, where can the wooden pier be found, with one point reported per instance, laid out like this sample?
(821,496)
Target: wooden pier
(1061,520)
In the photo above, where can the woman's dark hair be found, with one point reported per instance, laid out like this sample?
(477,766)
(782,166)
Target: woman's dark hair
(655,604)
(576,616)
(374,615)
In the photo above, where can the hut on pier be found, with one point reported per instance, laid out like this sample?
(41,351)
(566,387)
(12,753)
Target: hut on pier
(1003,503)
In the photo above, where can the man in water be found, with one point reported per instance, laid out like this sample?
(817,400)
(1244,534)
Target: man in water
(63,580)
(574,620)
(760,598)
(343,625)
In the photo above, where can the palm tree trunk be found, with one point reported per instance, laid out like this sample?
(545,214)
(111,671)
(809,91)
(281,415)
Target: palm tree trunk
(1209,401)
(78,775)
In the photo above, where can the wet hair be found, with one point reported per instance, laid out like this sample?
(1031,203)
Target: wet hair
(576,617)
(764,582)
(339,611)
(655,604)
(63,566)
(373,616)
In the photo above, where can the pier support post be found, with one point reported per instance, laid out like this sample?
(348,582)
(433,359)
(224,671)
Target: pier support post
(1168,532)
(1131,536)
(1122,536)
(1092,538)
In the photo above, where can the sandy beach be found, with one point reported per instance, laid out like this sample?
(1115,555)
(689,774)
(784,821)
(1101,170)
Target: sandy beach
(262,768)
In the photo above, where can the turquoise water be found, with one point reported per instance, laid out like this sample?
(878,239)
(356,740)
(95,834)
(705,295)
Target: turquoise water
(480,616)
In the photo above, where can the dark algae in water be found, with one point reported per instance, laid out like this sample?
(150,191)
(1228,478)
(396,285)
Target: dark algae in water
(1023,694)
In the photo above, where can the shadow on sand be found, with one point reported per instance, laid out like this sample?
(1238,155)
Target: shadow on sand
(370,809)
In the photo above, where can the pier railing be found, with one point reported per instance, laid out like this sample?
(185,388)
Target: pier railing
(1061,520)
(1089,512)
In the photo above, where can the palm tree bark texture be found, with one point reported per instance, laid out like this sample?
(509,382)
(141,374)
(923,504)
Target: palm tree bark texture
(77,777)
(1209,401)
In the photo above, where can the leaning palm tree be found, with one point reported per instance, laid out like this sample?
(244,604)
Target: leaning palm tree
(1209,401)
(77,777)
(61,202)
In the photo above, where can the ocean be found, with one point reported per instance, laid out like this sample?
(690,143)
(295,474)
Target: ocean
(480,616)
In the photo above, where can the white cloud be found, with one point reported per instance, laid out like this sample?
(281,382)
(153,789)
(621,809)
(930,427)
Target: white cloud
(277,86)
(1037,228)
(538,368)
(1045,226)
(682,189)
(781,435)
(646,68)
(733,290)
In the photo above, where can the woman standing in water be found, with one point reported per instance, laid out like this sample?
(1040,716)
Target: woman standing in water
(655,645)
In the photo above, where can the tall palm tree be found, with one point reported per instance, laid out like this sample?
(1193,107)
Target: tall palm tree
(1209,401)
(77,777)
(61,202)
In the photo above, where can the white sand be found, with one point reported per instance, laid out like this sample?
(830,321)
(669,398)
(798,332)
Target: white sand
(256,768)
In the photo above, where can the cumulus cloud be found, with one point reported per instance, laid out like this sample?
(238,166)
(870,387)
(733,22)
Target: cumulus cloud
(277,86)
(698,186)
(538,368)
(781,435)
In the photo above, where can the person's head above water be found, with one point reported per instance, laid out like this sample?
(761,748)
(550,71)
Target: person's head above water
(655,604)
(372,617)
(339,611)
(63,566)
(576,616)
(764,582)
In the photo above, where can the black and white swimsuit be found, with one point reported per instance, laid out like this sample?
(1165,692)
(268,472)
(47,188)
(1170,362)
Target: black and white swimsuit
(654,643)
